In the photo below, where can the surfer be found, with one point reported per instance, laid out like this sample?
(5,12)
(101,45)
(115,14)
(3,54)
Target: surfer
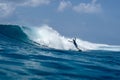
(75,44)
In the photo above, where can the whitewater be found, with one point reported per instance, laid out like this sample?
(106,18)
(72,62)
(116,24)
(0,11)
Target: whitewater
(47,36)
(42,53)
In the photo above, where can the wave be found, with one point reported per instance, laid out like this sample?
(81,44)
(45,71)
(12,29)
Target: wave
(45,35)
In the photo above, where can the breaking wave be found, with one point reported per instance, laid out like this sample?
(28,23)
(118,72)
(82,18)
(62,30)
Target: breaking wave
(47,36)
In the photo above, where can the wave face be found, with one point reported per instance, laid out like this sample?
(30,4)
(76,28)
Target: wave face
(49,37)
(14,32)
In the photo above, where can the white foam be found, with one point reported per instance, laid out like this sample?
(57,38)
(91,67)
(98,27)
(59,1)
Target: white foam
(45,35)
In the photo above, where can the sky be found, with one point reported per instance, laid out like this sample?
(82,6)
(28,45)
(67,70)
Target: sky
(91,20)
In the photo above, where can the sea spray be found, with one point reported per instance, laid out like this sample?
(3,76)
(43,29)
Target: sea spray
(47,36)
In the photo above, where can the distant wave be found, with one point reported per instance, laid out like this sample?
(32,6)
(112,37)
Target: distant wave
(45,35)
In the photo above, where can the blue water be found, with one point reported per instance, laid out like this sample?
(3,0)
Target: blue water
(22,59)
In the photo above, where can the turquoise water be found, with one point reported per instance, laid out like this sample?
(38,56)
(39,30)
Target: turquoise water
(23,59)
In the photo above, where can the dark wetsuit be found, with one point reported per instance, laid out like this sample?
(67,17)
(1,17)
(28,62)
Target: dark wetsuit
(74,42)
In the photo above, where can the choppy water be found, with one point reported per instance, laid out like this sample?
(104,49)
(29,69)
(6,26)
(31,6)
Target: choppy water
(21,59)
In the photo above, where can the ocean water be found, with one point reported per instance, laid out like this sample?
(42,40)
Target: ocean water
(41,53)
